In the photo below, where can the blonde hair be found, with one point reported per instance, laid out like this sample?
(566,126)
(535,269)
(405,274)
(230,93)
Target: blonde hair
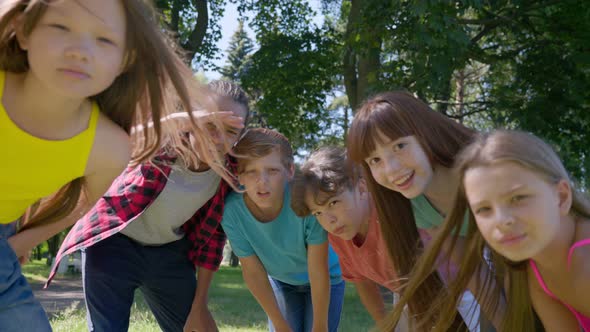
(500,146)
(155,83)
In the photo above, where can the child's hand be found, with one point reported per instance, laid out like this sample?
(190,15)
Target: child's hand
(319,327)
(206,118)
(19,248)
(282,326)
(24,259)
(200,320)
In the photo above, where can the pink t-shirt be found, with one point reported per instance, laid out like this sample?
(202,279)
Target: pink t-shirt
(369,261)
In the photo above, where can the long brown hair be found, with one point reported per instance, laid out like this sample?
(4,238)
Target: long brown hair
(533,154)
(155,82)
(398,114)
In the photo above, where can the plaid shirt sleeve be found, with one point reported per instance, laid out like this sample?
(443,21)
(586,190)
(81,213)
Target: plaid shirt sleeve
(129,195)
(204,229)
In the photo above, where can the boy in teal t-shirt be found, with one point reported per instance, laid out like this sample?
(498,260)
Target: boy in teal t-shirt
(286,261)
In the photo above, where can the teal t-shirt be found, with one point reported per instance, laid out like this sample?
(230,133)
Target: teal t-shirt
(281,244)
(427,216)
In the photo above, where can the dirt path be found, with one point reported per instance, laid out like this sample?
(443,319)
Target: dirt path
(61,295)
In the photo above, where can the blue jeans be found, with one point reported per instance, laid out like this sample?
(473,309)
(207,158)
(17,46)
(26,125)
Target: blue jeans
(114,268)
(295,305)
(19,310)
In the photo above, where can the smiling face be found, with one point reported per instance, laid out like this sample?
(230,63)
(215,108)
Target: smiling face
(517,211)
(344,215)
(400,165)
(77,48)
(264,180)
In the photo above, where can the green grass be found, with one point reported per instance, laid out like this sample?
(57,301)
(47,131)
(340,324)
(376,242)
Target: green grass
(232,305)
(36,271)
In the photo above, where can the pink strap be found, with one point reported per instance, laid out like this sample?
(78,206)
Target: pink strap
(540,279)
(574,246)
(583,320)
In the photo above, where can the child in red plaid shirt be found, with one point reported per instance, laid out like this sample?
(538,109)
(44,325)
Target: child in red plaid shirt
(156,224)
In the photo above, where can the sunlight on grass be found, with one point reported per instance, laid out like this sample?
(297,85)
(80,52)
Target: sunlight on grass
(232,305)
(36,270)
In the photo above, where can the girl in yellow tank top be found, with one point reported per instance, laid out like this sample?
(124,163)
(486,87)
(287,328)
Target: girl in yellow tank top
(75,76)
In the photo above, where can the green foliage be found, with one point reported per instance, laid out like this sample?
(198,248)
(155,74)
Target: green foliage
(518,64)
(181,17)
(297,110)
(238,55)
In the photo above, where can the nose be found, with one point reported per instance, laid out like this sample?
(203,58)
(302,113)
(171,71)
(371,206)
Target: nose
(504,218)
(80,49)
(391,167)
(330,218)
(263,177)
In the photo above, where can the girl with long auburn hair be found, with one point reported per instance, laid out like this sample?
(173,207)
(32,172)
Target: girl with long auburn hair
(525,210)
(75,77)
(407,151)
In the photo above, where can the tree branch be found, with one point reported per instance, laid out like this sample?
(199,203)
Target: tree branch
(197,36)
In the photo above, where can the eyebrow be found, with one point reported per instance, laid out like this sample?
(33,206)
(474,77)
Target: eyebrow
(505,193)
(103,24)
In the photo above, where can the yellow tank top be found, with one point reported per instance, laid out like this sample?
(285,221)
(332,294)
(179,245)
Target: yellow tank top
(32,168)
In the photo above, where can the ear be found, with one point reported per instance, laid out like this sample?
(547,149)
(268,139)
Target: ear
(23,41)
(565,196)
(291,171)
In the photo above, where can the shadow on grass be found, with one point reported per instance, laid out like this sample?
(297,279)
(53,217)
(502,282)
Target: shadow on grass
(234,306)
(230,302)
(37,268)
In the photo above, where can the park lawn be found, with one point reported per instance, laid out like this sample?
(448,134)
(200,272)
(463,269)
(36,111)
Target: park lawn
(232,305)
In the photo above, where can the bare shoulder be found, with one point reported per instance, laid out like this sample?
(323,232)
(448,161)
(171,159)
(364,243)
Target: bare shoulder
(580,259)
(111,149)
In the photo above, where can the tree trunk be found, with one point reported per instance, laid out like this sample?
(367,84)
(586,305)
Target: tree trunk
(197,36)
(53,245)
(233,260)
(362,51)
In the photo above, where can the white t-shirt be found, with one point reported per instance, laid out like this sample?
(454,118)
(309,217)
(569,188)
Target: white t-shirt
(184,194)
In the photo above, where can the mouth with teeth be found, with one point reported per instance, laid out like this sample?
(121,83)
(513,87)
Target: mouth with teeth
(405,181)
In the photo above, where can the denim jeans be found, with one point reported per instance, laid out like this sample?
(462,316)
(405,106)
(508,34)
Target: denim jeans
(114,268)
(295,305)
(19,310)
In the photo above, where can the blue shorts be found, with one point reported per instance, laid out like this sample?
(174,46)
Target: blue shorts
(19,310)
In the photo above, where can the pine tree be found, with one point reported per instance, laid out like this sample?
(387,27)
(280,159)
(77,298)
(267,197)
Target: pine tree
(238,58)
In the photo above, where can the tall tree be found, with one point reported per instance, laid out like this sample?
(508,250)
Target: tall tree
(521,64)
(238,55)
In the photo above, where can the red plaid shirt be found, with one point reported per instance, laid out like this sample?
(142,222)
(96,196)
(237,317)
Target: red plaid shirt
(130,195)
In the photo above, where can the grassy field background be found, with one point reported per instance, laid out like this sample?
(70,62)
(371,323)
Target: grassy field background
(232,305)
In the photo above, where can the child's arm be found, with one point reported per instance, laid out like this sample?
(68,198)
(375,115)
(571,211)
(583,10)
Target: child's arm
(554,315)
(23,242)
(319,279)
(256,279)
(200,318)
(183,121)
(455,257)
(371,298)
